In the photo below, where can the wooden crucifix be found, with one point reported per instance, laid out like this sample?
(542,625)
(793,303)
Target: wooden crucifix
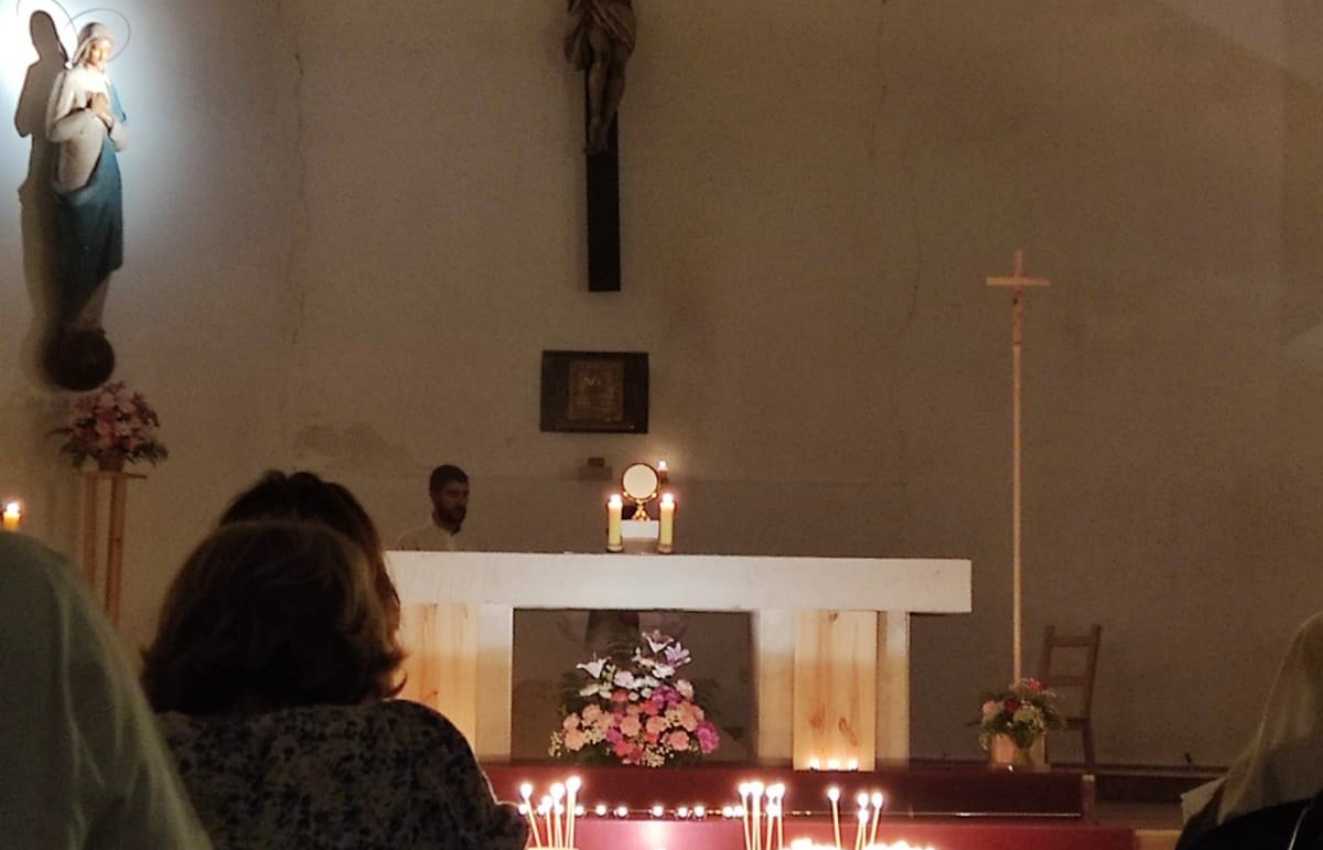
(599,43)
(1017,283)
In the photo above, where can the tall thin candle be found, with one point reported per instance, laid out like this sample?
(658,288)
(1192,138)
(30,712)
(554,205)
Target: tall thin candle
(614,506)
(666,532)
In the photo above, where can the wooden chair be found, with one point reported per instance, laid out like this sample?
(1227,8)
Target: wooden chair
(1080,721)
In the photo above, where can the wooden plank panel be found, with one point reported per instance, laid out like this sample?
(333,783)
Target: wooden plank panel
(495,682)
(774,683)
(441,640)
(893,686)
(835,688)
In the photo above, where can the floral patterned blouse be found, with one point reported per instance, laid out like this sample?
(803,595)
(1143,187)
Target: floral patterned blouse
(392,775)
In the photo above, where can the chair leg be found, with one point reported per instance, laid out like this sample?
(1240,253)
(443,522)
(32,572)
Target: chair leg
(1086,731)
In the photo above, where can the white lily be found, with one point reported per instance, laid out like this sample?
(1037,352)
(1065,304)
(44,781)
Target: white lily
(594,667)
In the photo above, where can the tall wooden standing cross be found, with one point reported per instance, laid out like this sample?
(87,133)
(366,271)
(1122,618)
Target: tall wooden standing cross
(1017,283)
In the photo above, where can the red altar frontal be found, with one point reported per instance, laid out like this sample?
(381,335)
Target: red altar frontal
(946,808)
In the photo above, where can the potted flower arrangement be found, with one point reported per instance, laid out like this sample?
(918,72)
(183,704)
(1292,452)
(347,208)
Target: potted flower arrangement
(1013,724)
(633,708)
(112,425)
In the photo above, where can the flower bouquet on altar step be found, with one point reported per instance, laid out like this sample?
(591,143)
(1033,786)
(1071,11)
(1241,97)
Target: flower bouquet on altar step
(632,708)
(112,425)
(1013,724)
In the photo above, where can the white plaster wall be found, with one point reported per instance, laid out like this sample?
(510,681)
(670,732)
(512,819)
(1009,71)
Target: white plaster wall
(811,196)
(199,314)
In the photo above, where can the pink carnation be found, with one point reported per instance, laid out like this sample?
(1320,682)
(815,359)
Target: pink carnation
(630,726)
(571,721)
(679,741)
(574,740)
(656,725)
(690,716)
(707,737)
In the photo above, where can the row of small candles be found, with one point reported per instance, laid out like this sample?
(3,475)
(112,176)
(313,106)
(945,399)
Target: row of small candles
(815,763)
(761,810)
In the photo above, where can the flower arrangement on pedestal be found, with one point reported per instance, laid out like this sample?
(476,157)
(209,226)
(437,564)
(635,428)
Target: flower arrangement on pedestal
(1013,723)
(112,425)
(633,709)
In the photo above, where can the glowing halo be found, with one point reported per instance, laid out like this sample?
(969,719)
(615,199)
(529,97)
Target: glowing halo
(67,25)
(118,24)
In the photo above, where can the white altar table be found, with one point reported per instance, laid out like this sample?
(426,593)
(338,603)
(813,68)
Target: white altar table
(830,635)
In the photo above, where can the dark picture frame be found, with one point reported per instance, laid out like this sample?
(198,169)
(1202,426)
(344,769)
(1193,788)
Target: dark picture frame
(595,392)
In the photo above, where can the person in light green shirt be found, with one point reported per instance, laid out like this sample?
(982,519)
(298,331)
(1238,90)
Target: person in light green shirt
(82,761)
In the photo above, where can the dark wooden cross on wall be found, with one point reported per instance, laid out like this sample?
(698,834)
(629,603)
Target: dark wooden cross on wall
(599,43)
(603,206)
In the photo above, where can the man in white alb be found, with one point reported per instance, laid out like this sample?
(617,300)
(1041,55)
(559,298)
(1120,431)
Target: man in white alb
(449,491)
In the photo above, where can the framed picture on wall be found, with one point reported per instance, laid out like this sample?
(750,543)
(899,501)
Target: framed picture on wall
(600,392)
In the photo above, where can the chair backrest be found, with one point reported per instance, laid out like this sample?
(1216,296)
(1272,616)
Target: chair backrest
(1083,680)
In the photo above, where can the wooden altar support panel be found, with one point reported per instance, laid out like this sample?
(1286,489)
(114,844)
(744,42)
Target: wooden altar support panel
(893,686)
(441,669)
(774,635)
(835,690)
(459,662)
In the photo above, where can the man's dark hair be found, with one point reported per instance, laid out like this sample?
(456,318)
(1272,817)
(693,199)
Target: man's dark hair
(443,475)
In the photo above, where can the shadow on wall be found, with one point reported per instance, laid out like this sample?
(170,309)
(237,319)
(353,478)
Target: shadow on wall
(35,196)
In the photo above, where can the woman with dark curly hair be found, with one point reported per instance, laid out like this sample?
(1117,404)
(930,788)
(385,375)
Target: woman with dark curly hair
(272,665)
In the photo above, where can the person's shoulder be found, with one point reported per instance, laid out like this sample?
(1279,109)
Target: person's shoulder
(414,539)
(35,577)
(418,720)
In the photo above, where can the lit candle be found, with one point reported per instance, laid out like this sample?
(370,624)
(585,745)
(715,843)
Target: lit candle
(622,811)
(658,810)
(756,789)
(601,810)
(834,794)
(876,800)
(663,473)
(544,809)
(814,764)
(572,785)
(557,794)
(833,764)
(13,516)
(700,811)
(666,535)
(614,505)
(526,791)
(852,764)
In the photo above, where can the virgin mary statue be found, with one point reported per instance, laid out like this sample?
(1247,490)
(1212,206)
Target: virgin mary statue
(85,119)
